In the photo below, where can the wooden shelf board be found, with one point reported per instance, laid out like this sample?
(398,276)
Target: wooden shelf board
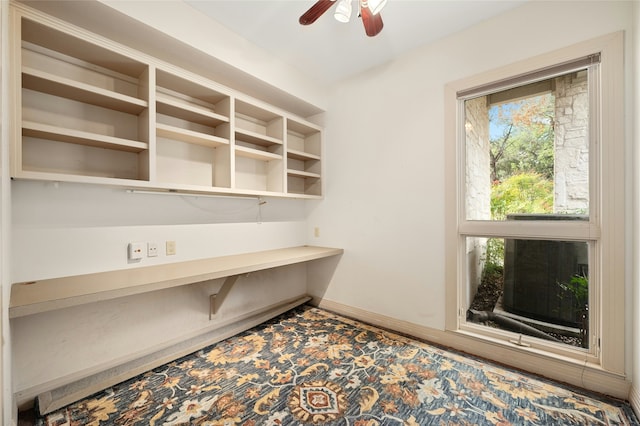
(29,298)
(187,189)
(45,82)
(185,111)
(159,187)
(256,154)
(256,138)
(303,195)
(189,136)
(248,109)
(83,49)
(77,178)
(169,82)
(301,155)
(301,129)
(302,174)
(60,134)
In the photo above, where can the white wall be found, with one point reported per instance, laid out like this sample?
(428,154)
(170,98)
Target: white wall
(62,229)
(6,406)
(634,113)
(385,177)
(70,229)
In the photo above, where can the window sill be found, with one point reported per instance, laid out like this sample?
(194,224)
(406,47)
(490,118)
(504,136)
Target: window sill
(584,373)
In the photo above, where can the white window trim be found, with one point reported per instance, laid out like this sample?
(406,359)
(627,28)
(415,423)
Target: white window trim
(609,178)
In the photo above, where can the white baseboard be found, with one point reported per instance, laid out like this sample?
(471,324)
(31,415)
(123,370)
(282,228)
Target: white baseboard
(68,389)
(565,370)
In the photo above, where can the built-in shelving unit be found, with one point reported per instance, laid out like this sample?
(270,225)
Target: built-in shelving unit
(95,111)
(304,155)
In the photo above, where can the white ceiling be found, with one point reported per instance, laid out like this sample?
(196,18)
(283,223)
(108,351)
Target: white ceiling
(329,50)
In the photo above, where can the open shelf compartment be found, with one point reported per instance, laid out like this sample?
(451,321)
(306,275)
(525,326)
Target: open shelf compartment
(257,125)
(193,131)
(193,103)
(259,148)
(71,67)
(84,107)
(304,150)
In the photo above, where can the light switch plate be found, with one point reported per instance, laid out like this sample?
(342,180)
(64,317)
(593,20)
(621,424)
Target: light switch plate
(170,248)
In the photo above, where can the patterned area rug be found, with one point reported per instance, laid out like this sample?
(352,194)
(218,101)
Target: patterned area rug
(313,367)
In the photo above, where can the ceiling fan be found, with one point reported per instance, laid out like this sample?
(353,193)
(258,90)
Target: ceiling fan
(369,11)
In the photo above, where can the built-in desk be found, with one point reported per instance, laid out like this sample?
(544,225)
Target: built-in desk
(33,297)
(30,298)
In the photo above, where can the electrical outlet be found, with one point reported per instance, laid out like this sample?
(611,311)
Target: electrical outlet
(152,249)
(170,248)
(135,251)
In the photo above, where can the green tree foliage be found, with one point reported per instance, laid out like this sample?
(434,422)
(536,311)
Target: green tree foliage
(522,162)
(521,193)
(526,140)
(579,287)
(495,256)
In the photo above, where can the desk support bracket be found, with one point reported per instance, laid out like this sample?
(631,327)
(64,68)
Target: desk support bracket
(215,300)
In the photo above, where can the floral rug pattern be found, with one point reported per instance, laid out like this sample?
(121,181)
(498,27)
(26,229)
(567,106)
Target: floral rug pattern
(309,366)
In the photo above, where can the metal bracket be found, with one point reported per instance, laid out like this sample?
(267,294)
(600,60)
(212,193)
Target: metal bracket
(215,300)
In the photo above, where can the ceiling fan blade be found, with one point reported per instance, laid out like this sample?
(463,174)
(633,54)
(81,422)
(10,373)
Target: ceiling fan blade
(315,11)
(372,23)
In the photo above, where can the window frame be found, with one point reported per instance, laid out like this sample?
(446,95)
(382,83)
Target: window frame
(604,231)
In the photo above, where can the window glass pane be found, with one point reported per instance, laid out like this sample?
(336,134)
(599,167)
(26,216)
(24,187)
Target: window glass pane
(538,288)
(527,150)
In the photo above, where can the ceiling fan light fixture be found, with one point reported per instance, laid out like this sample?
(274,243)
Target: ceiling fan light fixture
(372,23)
(343,11)
(375,6)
